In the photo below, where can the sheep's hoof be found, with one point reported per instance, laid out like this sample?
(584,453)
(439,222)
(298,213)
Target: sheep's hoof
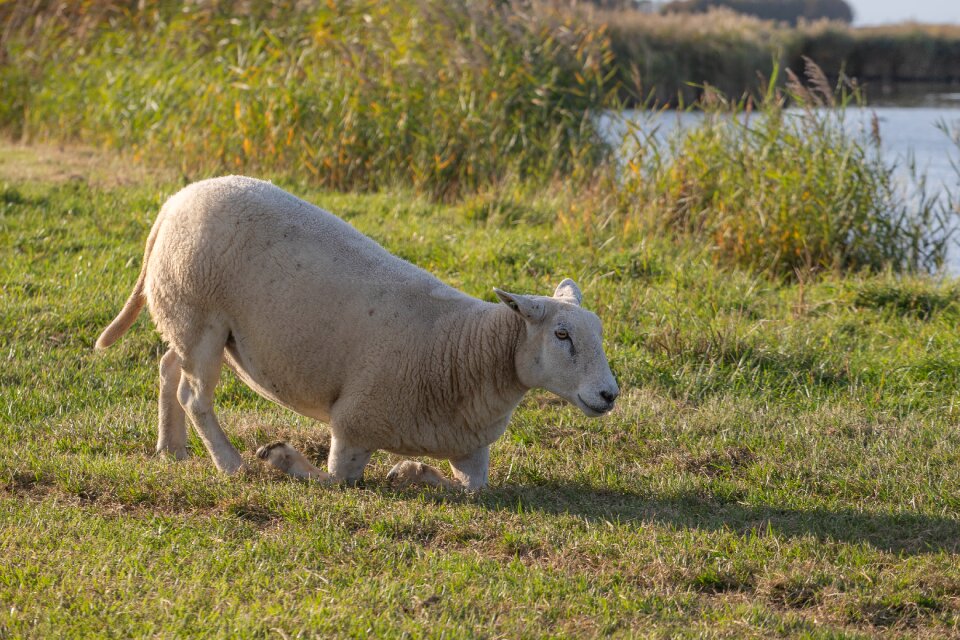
(276,454)
(264,452)
(283,457)
(173,454)
(410,472)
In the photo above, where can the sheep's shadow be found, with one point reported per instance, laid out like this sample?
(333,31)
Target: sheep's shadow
(904,533)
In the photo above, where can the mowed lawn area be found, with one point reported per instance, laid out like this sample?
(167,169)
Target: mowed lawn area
(784,459)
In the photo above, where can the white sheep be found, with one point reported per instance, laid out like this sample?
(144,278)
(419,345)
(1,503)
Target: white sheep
(319,318)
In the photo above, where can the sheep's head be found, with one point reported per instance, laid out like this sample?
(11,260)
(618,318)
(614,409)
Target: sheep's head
(562,350)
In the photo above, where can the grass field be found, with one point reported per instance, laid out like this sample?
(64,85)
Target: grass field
(784,460)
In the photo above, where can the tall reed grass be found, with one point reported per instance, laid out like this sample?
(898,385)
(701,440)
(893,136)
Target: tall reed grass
(789,191)
(446,96)
(666,58)
(673,55)
(886,55)
(460,100)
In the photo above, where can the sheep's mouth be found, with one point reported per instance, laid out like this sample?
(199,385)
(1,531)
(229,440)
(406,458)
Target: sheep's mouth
(591,410)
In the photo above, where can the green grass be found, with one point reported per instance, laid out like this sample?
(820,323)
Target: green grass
(784,460)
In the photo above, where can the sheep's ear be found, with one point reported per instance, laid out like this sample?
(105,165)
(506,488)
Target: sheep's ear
(568,291)
(530,309)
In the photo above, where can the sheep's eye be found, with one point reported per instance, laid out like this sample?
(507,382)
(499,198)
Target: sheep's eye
(561,334)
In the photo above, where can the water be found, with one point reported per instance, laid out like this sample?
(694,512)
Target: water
(907,134)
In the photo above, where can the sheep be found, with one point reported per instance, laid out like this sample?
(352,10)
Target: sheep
(319,318)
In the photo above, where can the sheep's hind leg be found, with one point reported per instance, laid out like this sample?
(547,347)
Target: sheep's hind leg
(172,431)
(200,369)
(285,458)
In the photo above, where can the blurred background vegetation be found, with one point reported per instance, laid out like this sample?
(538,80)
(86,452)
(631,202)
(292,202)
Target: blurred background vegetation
(790,11)
(505,105)
(444,96)
(727,42)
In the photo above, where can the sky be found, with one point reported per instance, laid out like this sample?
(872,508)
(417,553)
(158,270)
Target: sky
(869,12)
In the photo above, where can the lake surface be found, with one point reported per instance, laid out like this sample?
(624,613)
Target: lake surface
(906,134)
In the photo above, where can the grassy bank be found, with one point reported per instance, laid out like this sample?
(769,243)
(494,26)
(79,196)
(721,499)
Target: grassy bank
(888,55)
(784,460)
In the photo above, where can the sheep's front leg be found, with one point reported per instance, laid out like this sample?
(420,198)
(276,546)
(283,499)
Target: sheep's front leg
(285,458)
(346,462)
(470,472)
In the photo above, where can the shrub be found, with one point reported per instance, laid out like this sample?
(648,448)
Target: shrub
(790,11)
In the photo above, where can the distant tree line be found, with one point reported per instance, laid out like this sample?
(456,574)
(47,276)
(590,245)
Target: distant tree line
(789,11)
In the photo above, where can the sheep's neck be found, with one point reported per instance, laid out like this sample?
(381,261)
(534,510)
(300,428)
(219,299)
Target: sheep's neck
(480,358)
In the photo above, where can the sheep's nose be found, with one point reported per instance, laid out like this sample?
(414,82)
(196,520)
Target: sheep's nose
(609,396)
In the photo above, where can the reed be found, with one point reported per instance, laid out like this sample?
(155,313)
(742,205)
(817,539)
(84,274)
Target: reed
(665,58)
(490,104)
(789,191)
(885,55)
(673,55)
(444,96)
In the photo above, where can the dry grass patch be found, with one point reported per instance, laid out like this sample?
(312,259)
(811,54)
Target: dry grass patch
(54,163)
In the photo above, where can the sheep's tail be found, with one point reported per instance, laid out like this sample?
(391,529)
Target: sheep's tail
(128,315)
